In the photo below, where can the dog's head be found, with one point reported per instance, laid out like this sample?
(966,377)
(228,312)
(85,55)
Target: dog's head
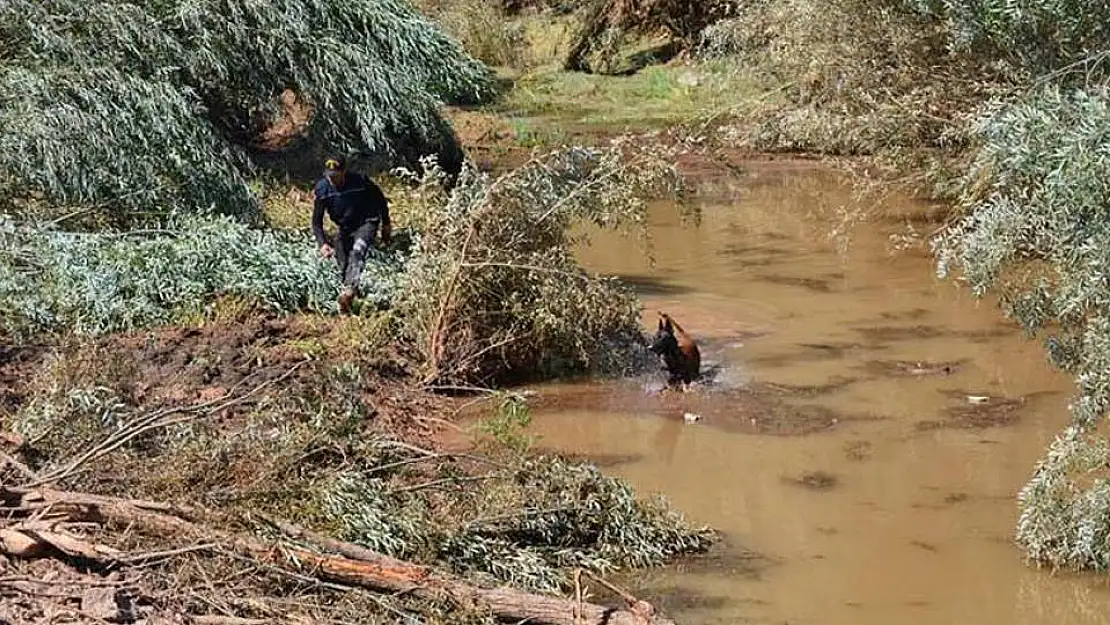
(664,342)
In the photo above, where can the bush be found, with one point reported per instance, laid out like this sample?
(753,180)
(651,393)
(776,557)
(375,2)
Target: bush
(1032,37)
(493,289)
(125,108)
(1035,230)
(94,283)
(1065,507)
(484,30)
(850,77)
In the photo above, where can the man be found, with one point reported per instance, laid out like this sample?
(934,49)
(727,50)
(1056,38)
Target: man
(356,206)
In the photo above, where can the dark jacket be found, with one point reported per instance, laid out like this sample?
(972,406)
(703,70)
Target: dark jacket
(359,201)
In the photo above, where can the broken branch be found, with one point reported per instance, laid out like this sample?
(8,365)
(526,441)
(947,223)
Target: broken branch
(353,566)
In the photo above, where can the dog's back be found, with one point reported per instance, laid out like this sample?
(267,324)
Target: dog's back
(683,359)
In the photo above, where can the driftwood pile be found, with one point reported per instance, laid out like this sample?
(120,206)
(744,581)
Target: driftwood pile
(78,528)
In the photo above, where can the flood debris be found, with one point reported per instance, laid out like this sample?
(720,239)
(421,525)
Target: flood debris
(954,498)
(909,368)
(920,544)
(912,314)
(603,461)
(835,383)
(977,411)
(317,486)
(818,285)
(327,560)
(901,333)
(814,480)
(681,598)
(811,352)
(857,450)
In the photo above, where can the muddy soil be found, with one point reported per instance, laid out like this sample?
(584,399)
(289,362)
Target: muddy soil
(15,363)
(176,366)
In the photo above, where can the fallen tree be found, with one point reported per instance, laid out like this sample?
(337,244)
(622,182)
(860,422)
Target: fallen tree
(285,491)
(347,563)
(610,22)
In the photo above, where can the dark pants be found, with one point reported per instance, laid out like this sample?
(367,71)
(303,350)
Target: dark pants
(351,249)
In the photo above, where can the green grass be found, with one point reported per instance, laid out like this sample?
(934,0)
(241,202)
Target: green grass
(655,97)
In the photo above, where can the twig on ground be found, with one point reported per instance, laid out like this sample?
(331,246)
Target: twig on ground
(145,557)
(443,481)
(19,466)
(409,461)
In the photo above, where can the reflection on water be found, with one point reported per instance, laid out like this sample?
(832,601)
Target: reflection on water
(866,432)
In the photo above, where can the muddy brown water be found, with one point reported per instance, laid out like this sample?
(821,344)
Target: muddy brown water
(865,430)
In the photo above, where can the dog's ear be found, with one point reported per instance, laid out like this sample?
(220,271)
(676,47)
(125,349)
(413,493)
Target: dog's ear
(669,326)
(660,325)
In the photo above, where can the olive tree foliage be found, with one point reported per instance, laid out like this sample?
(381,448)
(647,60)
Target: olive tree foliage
(139,108)
(1035,229)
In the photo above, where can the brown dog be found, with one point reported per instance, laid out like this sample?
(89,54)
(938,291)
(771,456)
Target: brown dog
(679,351)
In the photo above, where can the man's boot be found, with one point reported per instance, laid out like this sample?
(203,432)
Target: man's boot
(345,299)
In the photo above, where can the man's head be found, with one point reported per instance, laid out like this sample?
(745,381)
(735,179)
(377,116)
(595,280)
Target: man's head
(335,169)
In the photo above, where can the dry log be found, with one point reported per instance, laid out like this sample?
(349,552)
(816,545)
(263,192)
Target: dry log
(32,542)
(356,566)
(364,567)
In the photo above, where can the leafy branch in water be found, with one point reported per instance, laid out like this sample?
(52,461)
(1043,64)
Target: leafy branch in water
(1035,230)
(493,288)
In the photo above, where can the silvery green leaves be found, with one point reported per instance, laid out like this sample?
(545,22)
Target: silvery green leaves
(1036,230)
(1031,36)
(130,110)
(131,149)
(95,283)
(1037,224)
(1064,507)
(569,516)
(493,288)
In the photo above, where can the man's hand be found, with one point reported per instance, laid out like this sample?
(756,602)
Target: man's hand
(326,251)
(387,234)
